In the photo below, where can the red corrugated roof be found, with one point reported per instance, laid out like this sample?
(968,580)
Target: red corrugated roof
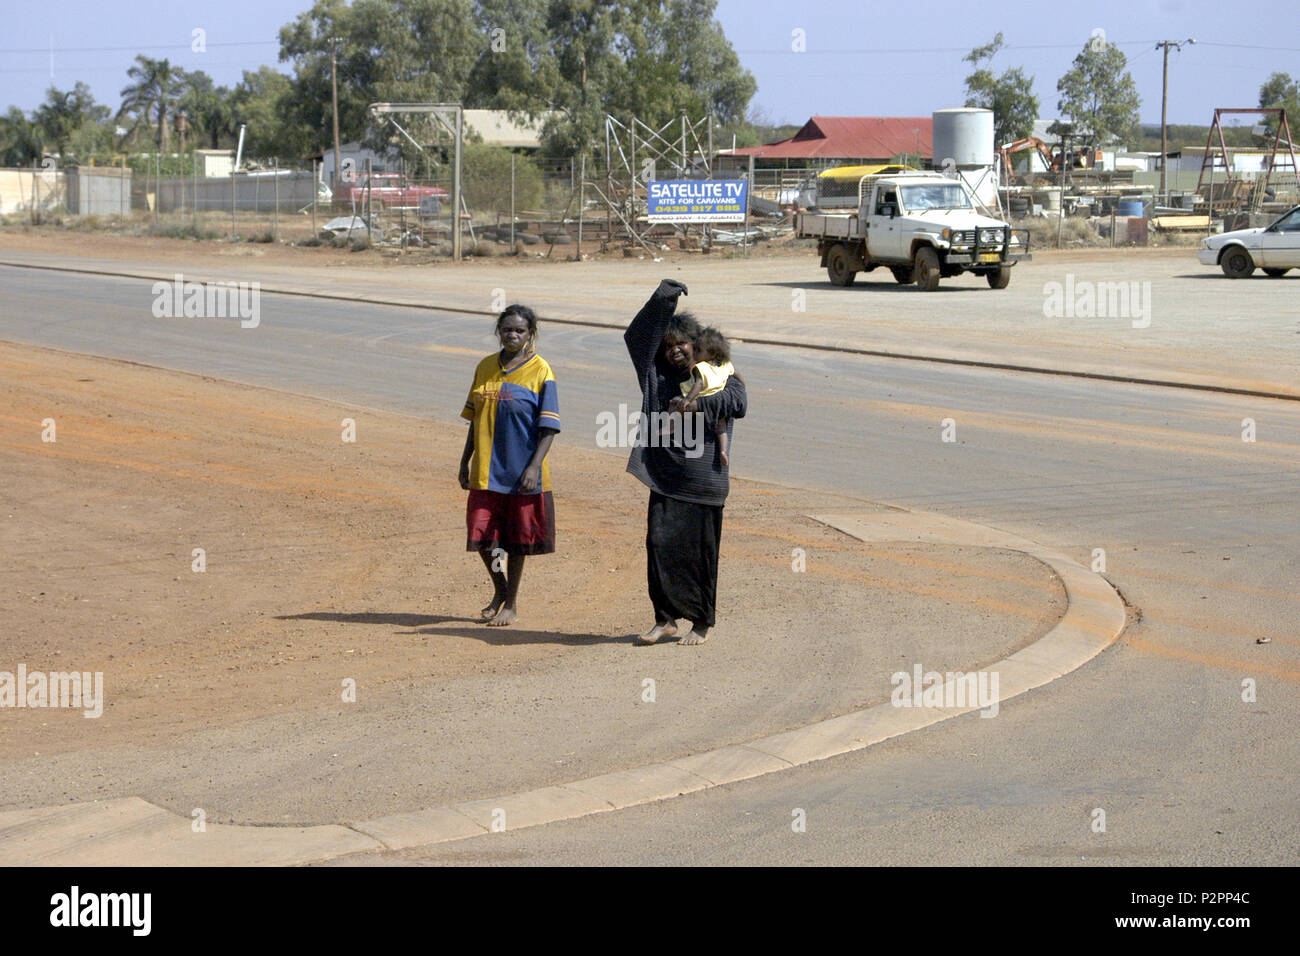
(850,137)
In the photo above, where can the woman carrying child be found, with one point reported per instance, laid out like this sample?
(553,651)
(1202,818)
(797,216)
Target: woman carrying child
(688,485)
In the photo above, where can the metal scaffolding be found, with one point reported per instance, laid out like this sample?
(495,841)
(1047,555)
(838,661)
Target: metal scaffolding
(636,153)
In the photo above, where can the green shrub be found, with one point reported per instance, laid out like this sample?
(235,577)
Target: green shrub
(485,177)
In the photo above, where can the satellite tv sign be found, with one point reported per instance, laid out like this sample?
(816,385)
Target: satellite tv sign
(698,200)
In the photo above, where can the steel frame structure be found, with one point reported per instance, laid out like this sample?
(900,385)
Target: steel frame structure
(451,116)
(635,152)
(1215,155)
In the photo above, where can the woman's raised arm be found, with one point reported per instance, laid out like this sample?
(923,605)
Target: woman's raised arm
(645,334)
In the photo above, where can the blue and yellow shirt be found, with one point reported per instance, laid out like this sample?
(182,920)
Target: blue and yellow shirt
(505,411)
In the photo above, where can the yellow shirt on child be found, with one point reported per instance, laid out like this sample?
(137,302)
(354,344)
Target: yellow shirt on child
(713,376)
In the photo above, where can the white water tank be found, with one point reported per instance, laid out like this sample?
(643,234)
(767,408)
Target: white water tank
(965,135)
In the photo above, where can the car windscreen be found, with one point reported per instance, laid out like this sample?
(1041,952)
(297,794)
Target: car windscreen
(920,197)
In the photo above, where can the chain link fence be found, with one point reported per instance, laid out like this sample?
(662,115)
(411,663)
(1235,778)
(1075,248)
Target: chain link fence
(512,203)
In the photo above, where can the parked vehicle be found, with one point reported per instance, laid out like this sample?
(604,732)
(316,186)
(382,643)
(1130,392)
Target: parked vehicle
(1274,248)
(922,226)
(394,191)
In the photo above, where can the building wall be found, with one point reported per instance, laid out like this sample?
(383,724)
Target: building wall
(1242,162)
(378,163)
(98,191)
(214,163)
(20,188)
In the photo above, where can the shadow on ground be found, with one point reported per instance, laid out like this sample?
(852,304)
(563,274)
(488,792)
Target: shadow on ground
(478,630)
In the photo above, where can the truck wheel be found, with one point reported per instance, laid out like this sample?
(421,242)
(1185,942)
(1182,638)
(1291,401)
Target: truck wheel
(998,278)
(925,269)
(839,265)
(902,274)
(1237,263)
(1275,273)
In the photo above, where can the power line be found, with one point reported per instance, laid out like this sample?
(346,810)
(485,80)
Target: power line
(836,51)
(113,69)
(128,49)
(1247,46)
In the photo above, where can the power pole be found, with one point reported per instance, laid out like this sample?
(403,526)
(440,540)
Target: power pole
(334,90)
(1164,106)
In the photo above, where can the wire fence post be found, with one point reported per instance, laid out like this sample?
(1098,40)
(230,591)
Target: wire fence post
(275,212)
(315,194)
(582,202)
(749,199)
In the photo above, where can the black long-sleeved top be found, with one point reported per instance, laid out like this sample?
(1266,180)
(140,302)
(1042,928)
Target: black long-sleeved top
(668,470)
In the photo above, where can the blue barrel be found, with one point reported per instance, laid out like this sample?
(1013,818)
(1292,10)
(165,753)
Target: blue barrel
(1129,207)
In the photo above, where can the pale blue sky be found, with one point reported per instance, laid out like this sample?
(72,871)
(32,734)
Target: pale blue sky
(862,57)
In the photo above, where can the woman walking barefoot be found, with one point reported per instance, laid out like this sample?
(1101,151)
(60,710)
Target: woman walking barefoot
(687,475)
(514,414)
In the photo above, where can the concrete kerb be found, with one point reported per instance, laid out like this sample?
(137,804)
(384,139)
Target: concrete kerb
(133,832)
(959,361)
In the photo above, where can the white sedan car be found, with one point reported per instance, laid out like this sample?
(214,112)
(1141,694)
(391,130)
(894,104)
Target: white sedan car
(1275,248)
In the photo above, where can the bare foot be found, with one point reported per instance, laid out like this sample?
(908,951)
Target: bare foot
(504,616)
(658,631)
(695,637)
(491,610)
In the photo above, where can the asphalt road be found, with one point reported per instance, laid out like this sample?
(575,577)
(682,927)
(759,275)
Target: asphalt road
(1199,530)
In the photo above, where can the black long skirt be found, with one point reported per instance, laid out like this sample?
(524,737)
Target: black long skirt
(681,544)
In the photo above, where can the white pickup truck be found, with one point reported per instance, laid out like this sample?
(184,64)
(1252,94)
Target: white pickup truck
(922,226)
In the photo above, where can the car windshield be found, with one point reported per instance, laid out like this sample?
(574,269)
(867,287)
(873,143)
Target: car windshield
(919,198)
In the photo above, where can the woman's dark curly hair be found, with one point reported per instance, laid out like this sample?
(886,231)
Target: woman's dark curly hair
(524,312)
(683,327)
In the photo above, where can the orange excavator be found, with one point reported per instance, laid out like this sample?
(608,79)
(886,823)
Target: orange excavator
(1079,158)
(1019,146)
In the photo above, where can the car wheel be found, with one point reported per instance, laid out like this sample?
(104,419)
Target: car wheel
(902,274)
(1236,263)
(998,278)
(1276,273)
(925,269)
(839,265)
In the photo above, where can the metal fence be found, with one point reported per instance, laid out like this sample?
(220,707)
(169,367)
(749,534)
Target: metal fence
(556,206)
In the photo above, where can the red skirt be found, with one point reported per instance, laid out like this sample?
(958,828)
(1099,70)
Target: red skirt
(518,524)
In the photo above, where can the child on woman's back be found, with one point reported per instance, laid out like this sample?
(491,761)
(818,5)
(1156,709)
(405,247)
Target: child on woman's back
(709,376)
